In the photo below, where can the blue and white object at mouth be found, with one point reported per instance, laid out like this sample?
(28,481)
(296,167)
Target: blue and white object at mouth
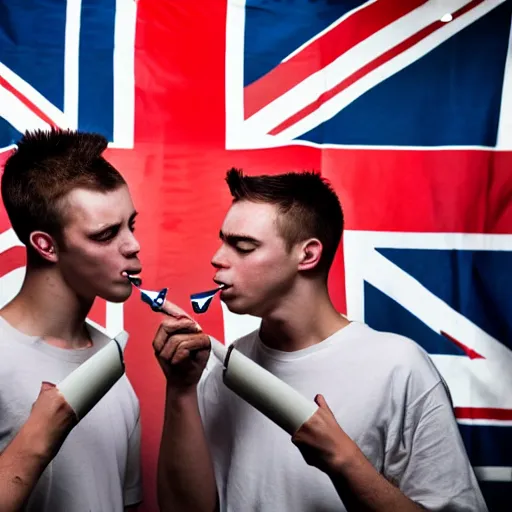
(155,299)
(201,301)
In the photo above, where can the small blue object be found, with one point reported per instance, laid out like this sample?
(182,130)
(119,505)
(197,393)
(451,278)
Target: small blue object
(154,299)
(201,301)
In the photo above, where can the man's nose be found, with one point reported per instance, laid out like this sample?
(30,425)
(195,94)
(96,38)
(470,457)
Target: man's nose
(131,246)
(219,259)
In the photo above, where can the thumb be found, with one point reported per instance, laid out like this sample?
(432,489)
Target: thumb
(171,309)
(175,311)
(45,386)
(320,401)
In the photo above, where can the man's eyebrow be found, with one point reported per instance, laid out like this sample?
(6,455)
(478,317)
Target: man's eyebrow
(234,238)
(114,225)
(104,228)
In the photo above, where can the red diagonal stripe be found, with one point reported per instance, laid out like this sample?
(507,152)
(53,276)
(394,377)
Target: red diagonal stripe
(360,73)
(468,351)
(324,50)
(7,85)
(11,259)
(483,413)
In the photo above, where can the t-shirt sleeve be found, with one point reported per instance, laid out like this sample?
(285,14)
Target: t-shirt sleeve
(132,490)
(428,461)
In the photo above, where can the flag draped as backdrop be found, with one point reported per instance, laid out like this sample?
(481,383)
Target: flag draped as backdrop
(408,116)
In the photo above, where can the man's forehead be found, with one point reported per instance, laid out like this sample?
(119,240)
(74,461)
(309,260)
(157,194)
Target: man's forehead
(94,207)
(249,218)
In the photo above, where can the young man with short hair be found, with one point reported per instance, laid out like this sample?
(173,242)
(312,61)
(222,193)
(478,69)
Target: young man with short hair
(74,213)
(388,440)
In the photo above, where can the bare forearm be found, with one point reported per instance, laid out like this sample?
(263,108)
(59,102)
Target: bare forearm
(186,480)
(363,489)
(21,465)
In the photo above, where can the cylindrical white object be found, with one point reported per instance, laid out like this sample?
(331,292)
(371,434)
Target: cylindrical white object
(85,387)
(220,350)
(277,400)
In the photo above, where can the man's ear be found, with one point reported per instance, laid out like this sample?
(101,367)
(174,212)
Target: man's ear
(44,245)
(310,254)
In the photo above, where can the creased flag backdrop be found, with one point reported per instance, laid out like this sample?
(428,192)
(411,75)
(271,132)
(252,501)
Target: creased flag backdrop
(409,117)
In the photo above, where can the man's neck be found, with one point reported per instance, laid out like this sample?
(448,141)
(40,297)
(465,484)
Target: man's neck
(47,307)
(303,320)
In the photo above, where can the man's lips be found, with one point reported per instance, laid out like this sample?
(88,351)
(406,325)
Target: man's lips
(222,284)
(133,276)
(226,291)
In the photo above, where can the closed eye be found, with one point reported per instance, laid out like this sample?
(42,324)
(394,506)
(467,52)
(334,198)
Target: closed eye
(244,250)
(106,235)
(131,221)
(241,243)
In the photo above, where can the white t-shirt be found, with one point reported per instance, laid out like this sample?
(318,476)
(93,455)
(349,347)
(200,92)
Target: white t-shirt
(98,467)
(387,396)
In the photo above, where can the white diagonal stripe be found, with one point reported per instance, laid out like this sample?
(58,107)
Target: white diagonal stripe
(34,96)
(9,239)
(341,100)
(340,20)
(482,383)
(430,309)
(354,59)
(17,114)
(10,285)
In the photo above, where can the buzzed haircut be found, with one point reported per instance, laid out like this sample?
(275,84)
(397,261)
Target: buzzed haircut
(46,166)
(306,202)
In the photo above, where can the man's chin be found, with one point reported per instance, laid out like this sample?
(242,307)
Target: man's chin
(117,296)
(238,308)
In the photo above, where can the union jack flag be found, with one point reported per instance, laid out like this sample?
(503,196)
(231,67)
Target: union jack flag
(378,73)
(409,117)
(412,118)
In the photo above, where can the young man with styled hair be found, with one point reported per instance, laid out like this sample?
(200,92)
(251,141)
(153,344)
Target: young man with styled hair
(74,213)
(387,441)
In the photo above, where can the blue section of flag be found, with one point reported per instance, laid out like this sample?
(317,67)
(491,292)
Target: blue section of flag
(274,29)
(450,96)
(477,284)
(8,134)
(384,314)
(488,445)
(497,496)
(32,45)
(96,101)
(32,38)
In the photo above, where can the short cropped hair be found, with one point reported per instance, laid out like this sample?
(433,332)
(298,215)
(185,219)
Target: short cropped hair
(45,167)
(306,202)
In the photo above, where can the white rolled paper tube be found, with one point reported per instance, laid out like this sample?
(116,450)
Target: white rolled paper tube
(277,400)
(220,350)
(87,385)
